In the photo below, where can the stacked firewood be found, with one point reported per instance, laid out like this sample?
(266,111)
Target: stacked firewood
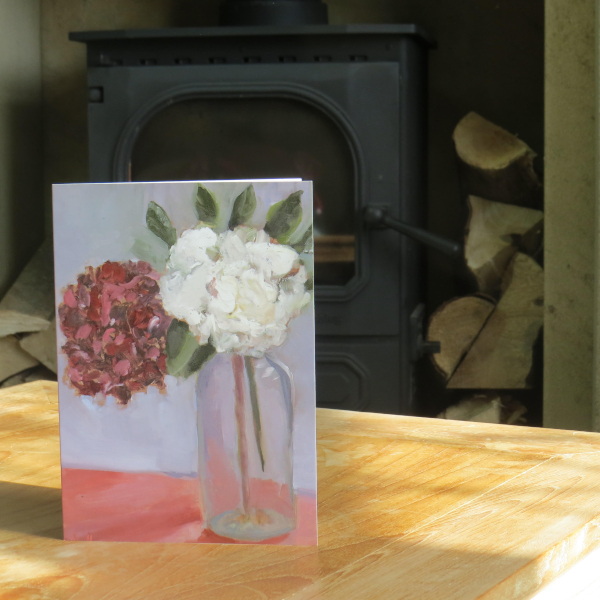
(27,332)
(487,337)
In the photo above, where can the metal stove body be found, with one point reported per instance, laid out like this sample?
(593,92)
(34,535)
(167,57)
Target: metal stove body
(342,105)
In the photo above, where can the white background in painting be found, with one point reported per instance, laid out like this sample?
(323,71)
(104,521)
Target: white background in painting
(94,223)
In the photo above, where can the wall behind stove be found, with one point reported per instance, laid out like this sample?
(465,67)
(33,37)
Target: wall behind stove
(21,208)
(64,76)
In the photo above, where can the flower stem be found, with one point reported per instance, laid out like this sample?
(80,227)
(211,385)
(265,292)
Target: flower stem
(238,374)
(255,408)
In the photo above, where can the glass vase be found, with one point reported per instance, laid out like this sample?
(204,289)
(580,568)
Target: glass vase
(245,425)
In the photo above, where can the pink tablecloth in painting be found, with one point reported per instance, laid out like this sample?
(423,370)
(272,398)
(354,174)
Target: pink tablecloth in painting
(113,506)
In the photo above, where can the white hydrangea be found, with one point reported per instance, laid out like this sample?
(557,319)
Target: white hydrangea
(236,289)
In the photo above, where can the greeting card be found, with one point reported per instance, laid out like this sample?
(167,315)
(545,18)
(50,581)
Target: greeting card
(186,361)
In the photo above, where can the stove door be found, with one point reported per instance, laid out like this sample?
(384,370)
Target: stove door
(354,128)
(260,138)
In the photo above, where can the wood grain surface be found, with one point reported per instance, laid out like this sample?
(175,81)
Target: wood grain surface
(409,508)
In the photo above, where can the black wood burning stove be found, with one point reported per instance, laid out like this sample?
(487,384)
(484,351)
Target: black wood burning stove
(341,105)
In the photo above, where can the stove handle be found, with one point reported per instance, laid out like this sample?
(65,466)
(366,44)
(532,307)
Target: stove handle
(376,216)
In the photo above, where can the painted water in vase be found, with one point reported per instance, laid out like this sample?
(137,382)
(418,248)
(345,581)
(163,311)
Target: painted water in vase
(245,425)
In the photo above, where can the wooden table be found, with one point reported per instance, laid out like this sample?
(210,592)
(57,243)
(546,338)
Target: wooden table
(409,508)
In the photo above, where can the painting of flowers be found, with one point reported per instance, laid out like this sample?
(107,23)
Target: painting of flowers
(186,361)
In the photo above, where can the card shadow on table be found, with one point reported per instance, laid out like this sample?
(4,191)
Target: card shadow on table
(31,509)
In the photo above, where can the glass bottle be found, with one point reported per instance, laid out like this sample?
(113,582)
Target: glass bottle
(245,447)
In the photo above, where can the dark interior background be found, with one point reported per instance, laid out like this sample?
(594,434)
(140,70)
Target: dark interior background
(489,59)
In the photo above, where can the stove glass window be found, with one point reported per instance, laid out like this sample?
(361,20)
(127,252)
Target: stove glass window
(258,138)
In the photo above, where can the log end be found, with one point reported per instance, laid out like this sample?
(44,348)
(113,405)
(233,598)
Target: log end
(484,145)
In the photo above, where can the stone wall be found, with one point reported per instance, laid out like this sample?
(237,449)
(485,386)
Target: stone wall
(570,197)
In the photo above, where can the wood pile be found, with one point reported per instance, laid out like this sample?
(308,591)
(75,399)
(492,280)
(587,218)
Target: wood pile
(495,164)
(27,330)
(487,338)
(487,408)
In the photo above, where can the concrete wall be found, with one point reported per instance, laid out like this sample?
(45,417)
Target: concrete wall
(64,77)
(596,307)
(570,199)
(21,207)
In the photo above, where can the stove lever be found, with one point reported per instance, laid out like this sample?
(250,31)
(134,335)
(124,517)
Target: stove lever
(378,216)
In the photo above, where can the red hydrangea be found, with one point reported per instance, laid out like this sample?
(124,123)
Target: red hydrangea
(116,330)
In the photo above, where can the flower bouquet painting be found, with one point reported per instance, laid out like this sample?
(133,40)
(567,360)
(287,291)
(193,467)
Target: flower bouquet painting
(186,361)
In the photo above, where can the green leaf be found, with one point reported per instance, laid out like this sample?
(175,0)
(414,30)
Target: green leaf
(284,217)
(309,284)
(159,224)
(176,336)
(206,206)
(177,363)
(184,355)
(243,207)
(199,358)
(305,244)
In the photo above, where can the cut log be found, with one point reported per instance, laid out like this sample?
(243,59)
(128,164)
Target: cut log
(501,357)
(14,321)
(13,359)
(532,242)
(494,233)
(37,373)
(455,325)
(479,409)
(29,304)
(513,411)
(42,346)
(495,164)
(487,408)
